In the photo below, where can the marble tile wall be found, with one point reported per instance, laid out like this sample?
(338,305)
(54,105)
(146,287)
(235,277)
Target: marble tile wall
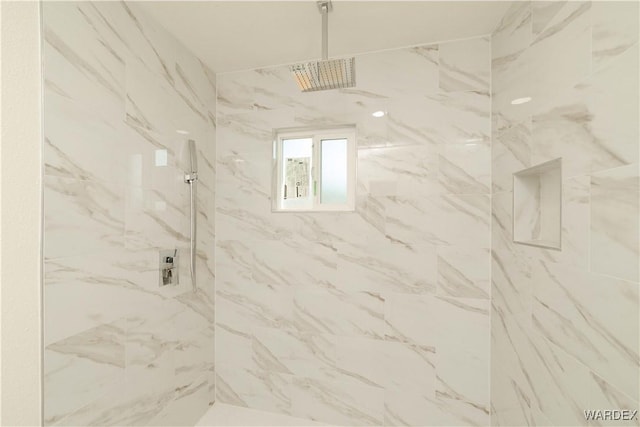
(120,350)
(386,319)
(565,324)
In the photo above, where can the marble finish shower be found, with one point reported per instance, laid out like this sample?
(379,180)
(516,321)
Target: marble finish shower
(373,317)
(420,308)
(565,323)
(121,97)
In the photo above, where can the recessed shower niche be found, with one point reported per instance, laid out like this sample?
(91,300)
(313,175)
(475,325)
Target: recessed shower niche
(537,205)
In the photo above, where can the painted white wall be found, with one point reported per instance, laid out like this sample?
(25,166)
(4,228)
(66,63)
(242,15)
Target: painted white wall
(20,199)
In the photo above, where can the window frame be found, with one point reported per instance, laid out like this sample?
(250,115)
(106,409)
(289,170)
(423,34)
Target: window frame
(317,135)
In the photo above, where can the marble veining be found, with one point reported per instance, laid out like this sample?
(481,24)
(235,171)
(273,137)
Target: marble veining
(120,350)
(464,66)
(615,29)
(564,327)
(383,316)
(614,225)
(341,317)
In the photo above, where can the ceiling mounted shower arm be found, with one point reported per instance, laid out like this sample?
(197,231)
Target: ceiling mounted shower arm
(325,7)
(326,73)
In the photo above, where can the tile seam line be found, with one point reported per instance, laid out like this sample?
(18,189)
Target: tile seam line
(370,52)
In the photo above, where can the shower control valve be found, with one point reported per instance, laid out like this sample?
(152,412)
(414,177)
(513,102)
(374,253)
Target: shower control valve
(190,177)
(168,267)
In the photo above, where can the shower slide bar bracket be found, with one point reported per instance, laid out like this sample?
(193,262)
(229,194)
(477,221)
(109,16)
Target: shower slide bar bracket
(190,177)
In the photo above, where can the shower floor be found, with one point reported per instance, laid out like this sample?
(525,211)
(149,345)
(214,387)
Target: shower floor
(221,414)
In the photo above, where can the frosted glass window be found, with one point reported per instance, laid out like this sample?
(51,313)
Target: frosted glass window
(334,171)
(314,170)
(297,182)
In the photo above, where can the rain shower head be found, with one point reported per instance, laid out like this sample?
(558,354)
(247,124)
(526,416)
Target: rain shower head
(327,73)
(324,75)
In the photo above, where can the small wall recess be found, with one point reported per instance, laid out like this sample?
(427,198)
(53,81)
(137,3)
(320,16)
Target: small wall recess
(537,205)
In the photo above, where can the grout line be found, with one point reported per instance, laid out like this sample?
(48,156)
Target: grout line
(579,362)
(41,178)
(215,247)
(356,55)
(491,219)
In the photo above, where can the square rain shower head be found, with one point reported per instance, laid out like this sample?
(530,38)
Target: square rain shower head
(325,75)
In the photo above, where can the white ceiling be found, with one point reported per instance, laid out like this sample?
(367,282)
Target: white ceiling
(237,35)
